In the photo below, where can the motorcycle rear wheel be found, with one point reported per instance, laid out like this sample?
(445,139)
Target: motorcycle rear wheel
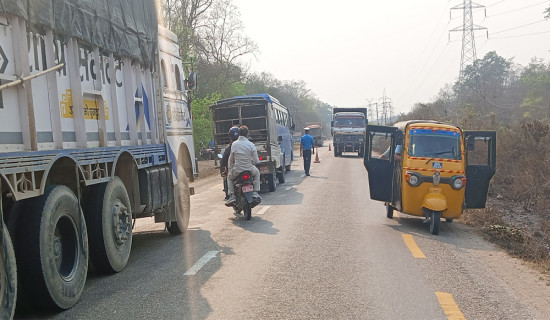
(247,210)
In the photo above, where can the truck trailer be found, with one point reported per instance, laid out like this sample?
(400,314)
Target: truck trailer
(95,131)
(348,127)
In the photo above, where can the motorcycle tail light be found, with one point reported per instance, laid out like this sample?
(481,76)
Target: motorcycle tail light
(246,177)
(261,158)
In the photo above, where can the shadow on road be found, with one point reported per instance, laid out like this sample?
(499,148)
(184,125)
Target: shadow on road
(256,224)
(153,285)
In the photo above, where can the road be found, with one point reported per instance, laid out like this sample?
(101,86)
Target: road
(317,248)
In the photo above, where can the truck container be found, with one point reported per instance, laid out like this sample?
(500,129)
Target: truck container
(95,131)
(270,129)
(348,130)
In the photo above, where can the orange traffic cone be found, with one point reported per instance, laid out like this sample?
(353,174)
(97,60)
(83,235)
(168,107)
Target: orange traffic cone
(329,147)
(317,157)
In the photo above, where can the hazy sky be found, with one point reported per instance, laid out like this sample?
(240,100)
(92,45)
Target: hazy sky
(350,51)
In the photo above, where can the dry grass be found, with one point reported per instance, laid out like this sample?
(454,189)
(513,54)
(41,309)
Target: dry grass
(517,217)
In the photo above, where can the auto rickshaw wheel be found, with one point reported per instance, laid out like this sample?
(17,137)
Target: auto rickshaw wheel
(434,222)
(449,220)
(389,211)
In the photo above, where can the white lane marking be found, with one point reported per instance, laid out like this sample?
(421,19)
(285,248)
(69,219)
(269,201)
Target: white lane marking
(263,210)
(199,264)
(288,188)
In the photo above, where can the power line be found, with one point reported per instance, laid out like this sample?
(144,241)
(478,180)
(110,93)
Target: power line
(518,27)
(494,4)
(515,10)
(521,35)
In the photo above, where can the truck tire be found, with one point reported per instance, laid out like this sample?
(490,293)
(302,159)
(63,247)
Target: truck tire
(182,204)
(335,151)
(281,174)
(8,277)
(272,181)
(52,250)
(287,167)
(109,218)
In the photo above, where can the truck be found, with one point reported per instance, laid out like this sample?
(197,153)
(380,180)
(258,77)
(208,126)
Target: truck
(95,132)
(270,128)
(348,127)
(316,131)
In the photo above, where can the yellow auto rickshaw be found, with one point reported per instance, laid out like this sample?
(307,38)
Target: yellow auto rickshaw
(429,169)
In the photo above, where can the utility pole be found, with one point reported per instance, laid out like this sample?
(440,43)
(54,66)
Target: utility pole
(386,108)
(468,28)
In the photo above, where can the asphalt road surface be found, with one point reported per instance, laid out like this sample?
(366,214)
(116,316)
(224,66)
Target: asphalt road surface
(316,248)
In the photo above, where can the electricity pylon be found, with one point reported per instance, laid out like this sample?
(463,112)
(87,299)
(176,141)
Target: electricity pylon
(468,28)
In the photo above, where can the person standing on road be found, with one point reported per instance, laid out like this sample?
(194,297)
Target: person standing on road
(307,146)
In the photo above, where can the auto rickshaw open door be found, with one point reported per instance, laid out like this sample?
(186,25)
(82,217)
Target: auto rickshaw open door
(378,140)
(480,166)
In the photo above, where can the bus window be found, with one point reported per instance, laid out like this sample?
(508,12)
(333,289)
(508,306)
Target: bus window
(178,78)
(163,74)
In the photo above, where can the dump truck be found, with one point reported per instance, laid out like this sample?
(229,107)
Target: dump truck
(95,131)
(316,131)
(348,130)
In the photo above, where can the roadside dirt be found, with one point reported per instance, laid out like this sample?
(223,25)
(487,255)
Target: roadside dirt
(207,168)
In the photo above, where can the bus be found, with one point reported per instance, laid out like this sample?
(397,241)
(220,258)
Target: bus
(270,129)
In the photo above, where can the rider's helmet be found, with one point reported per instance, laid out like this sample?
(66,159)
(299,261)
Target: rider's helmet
(234,133)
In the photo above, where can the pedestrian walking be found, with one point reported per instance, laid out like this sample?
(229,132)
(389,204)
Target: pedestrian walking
(307,148)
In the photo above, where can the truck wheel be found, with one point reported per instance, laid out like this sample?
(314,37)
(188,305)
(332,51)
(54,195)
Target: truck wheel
(52,250)
(287,168)
(272,181)
(109,217)
(182,204)
(281,175)
(434,222)
(8,276)
(335,151)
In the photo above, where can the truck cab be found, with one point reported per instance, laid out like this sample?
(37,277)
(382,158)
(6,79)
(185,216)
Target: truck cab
(348,130)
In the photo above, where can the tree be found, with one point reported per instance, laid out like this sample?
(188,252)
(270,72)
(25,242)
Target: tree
(220,46)
(536,79)
(203,127)
(184,17)
(484,82)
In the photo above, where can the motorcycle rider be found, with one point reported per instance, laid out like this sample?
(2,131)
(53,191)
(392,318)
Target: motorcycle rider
(243,157)
(233,135)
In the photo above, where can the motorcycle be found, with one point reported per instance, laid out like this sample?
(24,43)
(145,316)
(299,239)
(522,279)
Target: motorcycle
(244,191)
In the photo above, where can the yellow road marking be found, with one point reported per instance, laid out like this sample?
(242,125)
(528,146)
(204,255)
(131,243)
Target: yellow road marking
(449,306)
(411,244)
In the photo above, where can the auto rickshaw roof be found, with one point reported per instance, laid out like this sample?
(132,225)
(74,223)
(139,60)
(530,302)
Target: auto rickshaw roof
(403,124)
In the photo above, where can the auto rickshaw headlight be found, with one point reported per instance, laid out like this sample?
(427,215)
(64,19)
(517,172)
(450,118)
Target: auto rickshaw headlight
(413,179)
(458,183)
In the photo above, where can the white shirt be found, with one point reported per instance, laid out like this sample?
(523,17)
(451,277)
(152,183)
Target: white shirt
(243,155)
